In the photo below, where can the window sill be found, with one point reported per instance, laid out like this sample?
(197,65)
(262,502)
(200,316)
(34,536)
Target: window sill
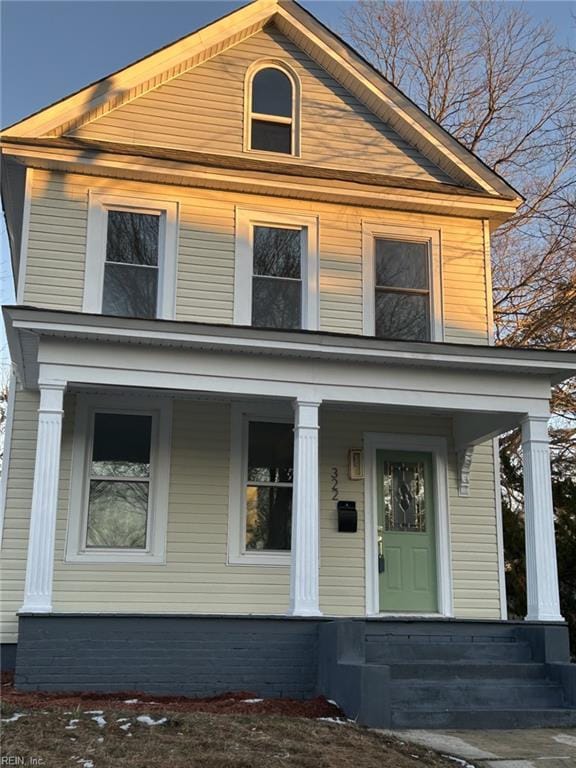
(267,154)
(262,559)
(134,558)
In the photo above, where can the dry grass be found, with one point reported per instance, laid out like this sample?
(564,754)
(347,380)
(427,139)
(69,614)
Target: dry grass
(199,740)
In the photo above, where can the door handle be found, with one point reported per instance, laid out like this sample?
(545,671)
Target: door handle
(381,560)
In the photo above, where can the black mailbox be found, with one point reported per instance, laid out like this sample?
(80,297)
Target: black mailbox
(347,517)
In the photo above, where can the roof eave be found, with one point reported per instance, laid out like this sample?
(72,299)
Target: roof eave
(554,365)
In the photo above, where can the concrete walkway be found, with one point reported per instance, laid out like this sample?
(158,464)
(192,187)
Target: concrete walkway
(546,748)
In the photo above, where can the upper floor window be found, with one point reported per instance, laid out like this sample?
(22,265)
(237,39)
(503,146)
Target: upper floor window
(277,277)
(131,257)
(131,266)
(276,282)
(272,110)
(402,291)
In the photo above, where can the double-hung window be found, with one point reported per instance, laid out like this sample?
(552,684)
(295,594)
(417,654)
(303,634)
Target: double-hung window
(277,277)
(261,479)
(119,492)
(119,481)
(131,257)
(276,283)
(132,263)
(272,97)
(402,283)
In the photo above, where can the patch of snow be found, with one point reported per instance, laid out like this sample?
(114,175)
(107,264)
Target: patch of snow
(15,716)
(460,761)
(100,720)
(85,762)
(334,703)
(564,738)
(131,701)
(72,725)
(338,720)
(252,701)
(122,719)
(94,712)
(100,739)
(147,720)
(126,726)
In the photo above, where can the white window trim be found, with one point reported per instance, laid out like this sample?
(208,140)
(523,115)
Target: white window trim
(252,70)
(98,206)
(241,415)
(410,233)
(437,446)
(161,410)
(246,220)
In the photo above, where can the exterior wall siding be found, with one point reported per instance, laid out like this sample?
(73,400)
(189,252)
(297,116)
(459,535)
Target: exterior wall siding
(17,512)
(203,110)
(196,577)
(205,281)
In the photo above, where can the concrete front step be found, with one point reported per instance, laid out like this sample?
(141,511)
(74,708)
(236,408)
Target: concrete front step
(489,718)
(475,693)
(391,652)
(462,670)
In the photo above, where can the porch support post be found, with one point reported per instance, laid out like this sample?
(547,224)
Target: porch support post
(541,564)
(40,562)
(305,563)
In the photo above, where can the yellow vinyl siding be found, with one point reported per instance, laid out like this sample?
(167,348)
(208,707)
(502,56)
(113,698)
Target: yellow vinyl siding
(196,577)
(205,282)
(17,513)
(203,110)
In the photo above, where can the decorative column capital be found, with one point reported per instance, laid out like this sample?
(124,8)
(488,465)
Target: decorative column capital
(51,395)
(535,428)
(306,413)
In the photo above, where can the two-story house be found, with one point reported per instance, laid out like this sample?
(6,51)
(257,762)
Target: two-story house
(251,437)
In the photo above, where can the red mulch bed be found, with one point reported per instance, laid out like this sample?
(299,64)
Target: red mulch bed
(225,704)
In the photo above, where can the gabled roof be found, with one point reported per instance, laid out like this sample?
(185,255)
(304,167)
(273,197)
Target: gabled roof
(309,34)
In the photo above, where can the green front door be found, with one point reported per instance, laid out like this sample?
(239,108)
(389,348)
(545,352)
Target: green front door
(406,532)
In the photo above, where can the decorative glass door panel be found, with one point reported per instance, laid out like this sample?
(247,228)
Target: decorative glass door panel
(406,532)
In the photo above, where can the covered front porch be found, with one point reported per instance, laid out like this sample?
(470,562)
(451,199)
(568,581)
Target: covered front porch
(387,402)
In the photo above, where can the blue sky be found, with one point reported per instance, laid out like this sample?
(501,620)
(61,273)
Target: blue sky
(50,48)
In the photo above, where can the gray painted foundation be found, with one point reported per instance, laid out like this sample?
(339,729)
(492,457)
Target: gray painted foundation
(177,655)
(7,657)
(385,673)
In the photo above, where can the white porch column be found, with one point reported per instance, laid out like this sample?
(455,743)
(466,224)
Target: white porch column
(305,560)
(40,562)
(541,566)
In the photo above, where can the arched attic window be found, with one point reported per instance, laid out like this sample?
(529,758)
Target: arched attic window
(273,104)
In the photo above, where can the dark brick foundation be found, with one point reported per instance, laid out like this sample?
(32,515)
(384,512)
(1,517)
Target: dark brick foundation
(181,655)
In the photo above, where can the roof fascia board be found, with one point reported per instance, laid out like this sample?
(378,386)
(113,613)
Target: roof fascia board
(172,172)
(397,109)
(250,17)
